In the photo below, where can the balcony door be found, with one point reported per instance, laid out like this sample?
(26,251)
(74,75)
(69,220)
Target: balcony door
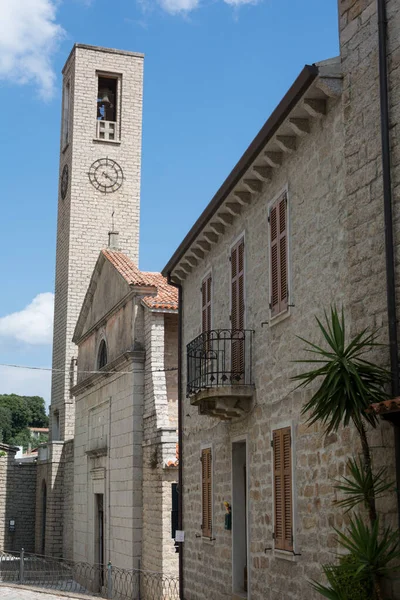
(237,312)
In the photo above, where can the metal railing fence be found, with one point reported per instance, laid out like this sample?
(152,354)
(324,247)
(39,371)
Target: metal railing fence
(219,357)
(102,581)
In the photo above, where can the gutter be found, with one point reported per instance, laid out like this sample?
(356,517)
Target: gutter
(180,430)
(281,112)
(388,215)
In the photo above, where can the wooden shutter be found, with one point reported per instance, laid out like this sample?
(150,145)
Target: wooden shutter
(237,310)
(279,256)
(283,497)
(206,492)
(206,304)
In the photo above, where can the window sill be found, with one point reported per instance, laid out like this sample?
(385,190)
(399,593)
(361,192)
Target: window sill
(279,318)
(285,555)
(100,141)
(208,541)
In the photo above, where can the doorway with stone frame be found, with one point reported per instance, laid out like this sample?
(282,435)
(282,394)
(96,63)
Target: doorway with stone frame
(240,543)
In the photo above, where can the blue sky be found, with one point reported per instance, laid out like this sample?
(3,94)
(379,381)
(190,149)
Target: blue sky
(214,71)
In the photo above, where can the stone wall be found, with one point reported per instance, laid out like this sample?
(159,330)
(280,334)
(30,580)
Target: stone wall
(17,501)
(108,461)
(171,362)
(159,441)
(68,493)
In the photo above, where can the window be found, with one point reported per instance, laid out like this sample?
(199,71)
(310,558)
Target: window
(283,496)
(65,114)
(279,256)
(56,426)
(206,492)
(206,304)
(107,108)
(237,311)
(102,355)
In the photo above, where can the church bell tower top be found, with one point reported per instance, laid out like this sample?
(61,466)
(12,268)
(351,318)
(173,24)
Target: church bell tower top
(101,49)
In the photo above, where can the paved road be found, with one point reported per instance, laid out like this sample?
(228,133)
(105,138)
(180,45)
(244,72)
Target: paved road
(20,594)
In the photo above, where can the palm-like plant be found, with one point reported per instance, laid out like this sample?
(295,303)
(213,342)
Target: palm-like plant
(349,383)
(372,551)
(361,486)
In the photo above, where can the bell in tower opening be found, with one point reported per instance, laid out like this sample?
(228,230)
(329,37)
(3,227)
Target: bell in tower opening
(107,99)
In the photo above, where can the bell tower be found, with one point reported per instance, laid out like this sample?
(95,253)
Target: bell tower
(99,190)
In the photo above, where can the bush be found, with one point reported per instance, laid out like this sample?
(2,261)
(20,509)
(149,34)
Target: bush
(354,587)
(343,581)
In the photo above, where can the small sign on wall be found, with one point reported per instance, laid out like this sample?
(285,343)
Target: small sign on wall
(179,536)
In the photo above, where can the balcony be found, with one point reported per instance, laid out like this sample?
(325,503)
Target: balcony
(219,372)
(106,130)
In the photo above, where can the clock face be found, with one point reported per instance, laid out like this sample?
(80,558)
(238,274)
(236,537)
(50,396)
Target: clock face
(106,175)
(64,181)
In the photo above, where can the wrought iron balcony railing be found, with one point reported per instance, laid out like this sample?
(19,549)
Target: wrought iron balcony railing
(219,357)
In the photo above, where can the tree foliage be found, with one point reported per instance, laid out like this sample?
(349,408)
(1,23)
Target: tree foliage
(17,413)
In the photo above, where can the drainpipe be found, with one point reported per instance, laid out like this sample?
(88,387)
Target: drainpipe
(180,429)
(389,244)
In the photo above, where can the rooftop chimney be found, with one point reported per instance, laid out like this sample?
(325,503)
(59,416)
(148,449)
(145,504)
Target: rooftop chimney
(113,240)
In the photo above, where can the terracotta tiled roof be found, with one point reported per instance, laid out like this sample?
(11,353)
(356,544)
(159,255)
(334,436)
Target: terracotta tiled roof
(125,267)
(39,429)
(167,295)
(386,406)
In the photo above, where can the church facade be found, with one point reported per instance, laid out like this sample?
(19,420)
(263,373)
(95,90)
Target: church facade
(106,481)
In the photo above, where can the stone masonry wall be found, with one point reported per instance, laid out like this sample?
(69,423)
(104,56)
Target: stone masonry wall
(84,218)
(109,417)
(17,502)
(319,247)
(159,442)
(68,508)
(171,362)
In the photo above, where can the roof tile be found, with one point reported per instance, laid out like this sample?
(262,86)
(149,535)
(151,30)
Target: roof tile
(167,295)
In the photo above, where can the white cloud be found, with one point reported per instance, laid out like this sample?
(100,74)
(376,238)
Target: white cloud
(29,36)
(184,7)
(33,324)
(240,2)
(25,382)
(178,6)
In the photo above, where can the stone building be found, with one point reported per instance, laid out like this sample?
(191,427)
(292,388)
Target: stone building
(106,481)
(297,226)
(126,418)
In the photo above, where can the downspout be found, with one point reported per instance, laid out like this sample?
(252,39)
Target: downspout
(388,214)
(180,429)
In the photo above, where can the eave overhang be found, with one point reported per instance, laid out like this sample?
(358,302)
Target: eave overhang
(305,100)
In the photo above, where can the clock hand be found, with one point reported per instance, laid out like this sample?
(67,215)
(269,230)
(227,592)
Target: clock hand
(108,177)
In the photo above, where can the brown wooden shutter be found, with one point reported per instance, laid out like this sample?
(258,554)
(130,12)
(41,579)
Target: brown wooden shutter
(237,310)
(283,496)
(279,256)
(206,304)
(206,492)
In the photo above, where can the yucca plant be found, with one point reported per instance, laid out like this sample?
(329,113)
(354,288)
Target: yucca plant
(372,550)
(349,383)
(361,486)
(344,582)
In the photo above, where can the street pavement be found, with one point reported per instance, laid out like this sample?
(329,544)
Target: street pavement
(22,594)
